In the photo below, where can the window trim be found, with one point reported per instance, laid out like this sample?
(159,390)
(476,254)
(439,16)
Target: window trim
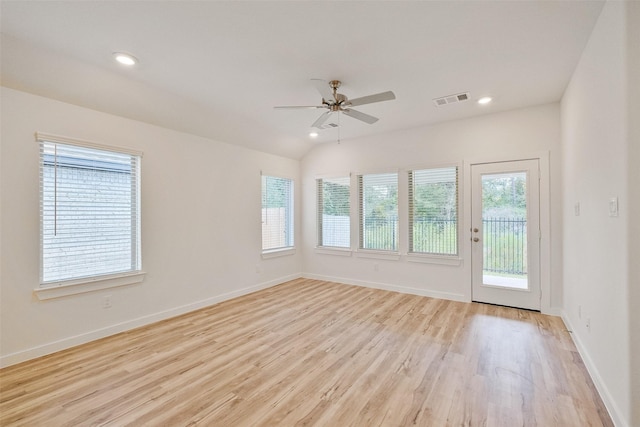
(87,284)
(434,257)
(285,250)
(428,258)
(279,252)
(329,250)
(337,250)
(60,288)
(376,253)
(41,136)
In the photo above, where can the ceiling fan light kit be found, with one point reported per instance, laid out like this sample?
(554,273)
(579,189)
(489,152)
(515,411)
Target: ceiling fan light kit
(336,102)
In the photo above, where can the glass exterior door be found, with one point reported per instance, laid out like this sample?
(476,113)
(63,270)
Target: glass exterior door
(505,234)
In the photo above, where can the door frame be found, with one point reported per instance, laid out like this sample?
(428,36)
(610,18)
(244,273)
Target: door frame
(545,222)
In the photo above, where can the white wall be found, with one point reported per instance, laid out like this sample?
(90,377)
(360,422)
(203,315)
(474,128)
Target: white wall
(201,238)
(633,99)
(512,134)
(595,138)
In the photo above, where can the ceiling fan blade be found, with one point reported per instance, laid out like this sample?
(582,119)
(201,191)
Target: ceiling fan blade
(360,116)
(383,96)
(324,89)
(300,106)
(323,118)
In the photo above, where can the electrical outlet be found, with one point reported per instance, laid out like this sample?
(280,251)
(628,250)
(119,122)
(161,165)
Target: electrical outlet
(106,301)
(576,209)
(588,324)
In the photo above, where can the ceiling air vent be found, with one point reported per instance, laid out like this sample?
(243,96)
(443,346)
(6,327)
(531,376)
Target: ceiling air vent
(451,99)
(328,126)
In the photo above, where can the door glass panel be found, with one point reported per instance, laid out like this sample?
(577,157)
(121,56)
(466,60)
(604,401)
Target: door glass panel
(504,219)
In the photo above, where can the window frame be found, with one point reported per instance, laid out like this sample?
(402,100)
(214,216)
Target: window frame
(71,286)
(434,257)
(393,254)
(319,182)
(290,217)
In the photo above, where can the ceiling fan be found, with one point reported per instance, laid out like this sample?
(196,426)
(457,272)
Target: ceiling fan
(336,102)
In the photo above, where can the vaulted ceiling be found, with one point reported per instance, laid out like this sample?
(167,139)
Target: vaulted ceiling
(217,68)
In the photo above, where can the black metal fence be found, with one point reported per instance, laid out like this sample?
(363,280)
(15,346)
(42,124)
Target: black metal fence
(429,236)
(504,240)
(380,234)
(435,236)
(505,245)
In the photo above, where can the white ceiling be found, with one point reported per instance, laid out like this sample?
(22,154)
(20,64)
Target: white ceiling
(217,68)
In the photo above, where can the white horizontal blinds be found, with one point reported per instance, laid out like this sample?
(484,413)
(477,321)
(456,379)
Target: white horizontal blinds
(433,211)
(334,223)
(378,210)
(277,213)
(320,211)
(89,212)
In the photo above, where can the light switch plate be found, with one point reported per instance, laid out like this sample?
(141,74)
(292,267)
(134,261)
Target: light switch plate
(613,206)
(576,209)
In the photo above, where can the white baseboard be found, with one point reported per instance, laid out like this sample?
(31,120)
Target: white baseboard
(63,344)
(552,311)
(388,287)
(614,412)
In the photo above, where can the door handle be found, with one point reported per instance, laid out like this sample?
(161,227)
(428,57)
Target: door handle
(475,239)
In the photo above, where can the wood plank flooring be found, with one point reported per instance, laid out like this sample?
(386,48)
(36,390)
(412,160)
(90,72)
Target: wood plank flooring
(309,352)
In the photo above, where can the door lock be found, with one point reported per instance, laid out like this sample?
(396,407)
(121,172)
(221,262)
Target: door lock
(475,239)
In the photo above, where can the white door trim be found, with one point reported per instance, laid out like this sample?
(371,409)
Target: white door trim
(545,223)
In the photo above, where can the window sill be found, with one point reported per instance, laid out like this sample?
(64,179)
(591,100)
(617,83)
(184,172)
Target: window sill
(325,250)
(89,284)
(275,253)
(434,259)
(364,253)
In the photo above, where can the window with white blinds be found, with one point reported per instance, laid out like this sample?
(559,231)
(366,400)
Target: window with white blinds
(378,211)
(277,213)
(433,211)
(334,222)
(89,212)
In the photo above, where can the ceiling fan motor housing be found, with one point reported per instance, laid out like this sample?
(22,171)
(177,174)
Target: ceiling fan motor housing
(340,99)
(338,103)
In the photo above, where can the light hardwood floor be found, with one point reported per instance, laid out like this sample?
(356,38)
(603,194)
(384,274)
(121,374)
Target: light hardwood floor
(309,352)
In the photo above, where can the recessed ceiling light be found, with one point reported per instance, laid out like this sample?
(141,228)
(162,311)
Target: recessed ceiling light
(485,100)
(313,134)
(125,58)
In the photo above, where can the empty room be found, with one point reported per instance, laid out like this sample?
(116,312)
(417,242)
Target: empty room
(331,213)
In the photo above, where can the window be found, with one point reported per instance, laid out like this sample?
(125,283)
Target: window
(333,212)
(433,211)
(277,213)
(378,210)
(89,212)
